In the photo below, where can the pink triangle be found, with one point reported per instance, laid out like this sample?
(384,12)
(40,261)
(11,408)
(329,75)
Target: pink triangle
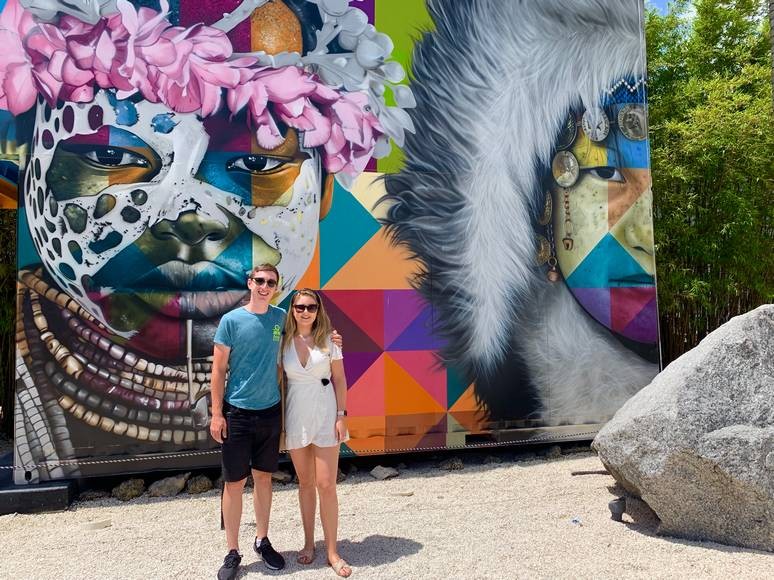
(356,363)
(401,307)
(423,366)
(366,397)
(644,326)
(364,308)
(627,302)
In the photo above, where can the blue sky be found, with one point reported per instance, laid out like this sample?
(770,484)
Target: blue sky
(660,4)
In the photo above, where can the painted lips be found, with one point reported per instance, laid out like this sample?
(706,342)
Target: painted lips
(633,280)
(178,275)
(198,291)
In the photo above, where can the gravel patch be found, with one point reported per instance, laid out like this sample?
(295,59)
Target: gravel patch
(527,519)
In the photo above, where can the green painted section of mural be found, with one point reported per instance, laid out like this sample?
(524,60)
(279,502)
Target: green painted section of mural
(403,21)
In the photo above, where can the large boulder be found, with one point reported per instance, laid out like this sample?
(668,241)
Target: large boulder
(697,444)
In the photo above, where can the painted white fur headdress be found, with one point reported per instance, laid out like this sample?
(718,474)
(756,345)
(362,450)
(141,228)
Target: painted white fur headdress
(494,84)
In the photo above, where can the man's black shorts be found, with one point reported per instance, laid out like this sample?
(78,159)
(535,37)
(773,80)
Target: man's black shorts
(252,441)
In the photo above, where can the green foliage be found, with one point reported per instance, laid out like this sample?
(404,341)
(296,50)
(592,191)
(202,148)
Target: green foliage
(712,155)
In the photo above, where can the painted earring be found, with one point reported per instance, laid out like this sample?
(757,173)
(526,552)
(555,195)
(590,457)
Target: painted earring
(546,253)
(567,240)
(545,217)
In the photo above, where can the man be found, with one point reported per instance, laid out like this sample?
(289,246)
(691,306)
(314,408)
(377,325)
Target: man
(246,412)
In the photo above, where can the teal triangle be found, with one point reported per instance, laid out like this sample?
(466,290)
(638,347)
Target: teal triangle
(455,386)
(607,265)
(343,232)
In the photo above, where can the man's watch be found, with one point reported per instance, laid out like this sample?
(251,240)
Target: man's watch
(341,413)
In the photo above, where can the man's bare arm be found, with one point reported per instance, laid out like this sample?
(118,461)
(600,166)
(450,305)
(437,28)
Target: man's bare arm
(217,391)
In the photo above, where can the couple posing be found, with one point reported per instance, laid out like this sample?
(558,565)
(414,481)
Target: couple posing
(250,343)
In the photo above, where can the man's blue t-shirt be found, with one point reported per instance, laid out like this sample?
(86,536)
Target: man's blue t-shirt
(254,340)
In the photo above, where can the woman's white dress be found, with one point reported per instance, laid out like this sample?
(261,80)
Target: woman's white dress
(310,406)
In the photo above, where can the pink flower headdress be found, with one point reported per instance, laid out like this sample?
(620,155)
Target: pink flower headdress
(63,52)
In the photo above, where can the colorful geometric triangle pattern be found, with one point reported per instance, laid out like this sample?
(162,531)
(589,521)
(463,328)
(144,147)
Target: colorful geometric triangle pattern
(364,307)
(400,397)
(346,228)
(608,264)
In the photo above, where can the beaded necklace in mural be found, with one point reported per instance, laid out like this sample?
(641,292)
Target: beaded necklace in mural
(101,383)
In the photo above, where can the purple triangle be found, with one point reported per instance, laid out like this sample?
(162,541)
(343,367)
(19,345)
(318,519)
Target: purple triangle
(596,301)
(356,363)
(400,308)
(419,334)
(644,326)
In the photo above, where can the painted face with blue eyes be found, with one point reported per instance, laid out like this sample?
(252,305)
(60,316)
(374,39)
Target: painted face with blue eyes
(134,208)
(602,223)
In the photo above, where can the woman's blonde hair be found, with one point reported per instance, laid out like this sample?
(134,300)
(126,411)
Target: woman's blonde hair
(321,328)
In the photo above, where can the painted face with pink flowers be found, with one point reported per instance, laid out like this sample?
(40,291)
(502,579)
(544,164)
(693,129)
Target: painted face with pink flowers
(133,202)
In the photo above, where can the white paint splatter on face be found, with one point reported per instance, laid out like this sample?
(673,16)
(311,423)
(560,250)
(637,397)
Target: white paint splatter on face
(103,232)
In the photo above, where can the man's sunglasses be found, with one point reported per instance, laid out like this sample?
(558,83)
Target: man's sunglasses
(258,281)
(312,308)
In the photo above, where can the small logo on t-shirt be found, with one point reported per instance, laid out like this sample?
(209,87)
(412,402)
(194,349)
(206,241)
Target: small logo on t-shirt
(276,333)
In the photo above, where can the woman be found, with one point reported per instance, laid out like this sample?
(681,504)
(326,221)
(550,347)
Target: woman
(315,418)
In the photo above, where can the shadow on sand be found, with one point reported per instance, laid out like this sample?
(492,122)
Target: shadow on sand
(370,552)
(641,518)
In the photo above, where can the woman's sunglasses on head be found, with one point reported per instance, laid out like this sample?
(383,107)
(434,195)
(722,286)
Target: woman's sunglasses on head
(258,281)
(312,308)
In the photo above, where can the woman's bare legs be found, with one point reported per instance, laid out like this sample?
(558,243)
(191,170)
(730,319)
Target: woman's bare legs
(326,469)
(304,464)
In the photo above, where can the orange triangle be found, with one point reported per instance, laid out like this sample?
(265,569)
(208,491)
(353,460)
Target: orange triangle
(424,367)
(466,402)
(622,196)
(403,395)
(469,413)
(311,278)
(377,264)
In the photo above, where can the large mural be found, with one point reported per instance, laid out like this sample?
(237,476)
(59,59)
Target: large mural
(493,271)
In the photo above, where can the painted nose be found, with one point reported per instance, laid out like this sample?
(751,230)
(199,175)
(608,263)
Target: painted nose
(639,236)
(191,228)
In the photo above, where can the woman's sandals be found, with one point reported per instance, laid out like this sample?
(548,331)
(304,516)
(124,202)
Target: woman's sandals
(341,568)
(305,557)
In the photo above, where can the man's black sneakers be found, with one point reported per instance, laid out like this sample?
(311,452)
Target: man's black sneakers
(272,559)
(231,562)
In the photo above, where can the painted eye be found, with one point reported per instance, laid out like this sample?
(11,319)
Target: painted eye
(607,173)
(114,157)
(255,164)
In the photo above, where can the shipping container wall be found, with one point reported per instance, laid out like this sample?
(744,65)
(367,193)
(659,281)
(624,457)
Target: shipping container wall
(492,272)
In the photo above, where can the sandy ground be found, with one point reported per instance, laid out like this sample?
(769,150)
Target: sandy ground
(516,519)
